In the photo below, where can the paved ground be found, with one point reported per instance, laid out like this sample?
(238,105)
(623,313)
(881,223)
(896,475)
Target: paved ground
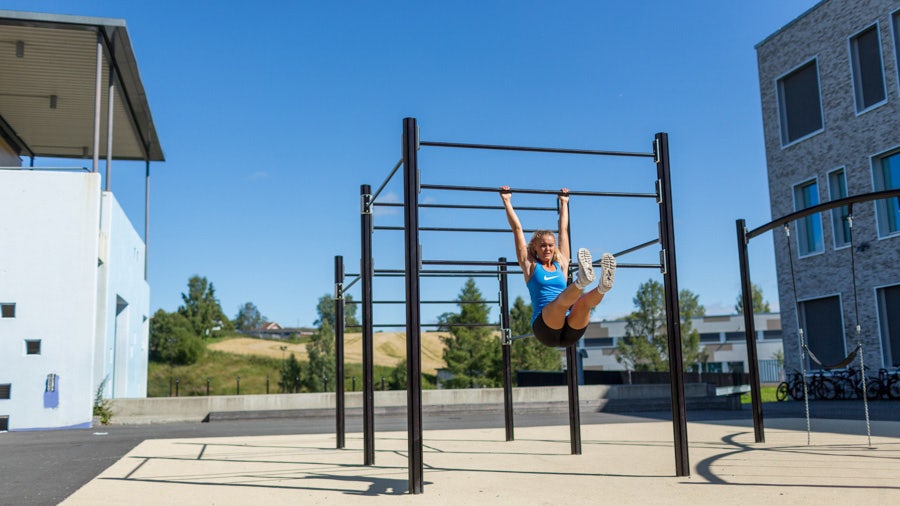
(627,459)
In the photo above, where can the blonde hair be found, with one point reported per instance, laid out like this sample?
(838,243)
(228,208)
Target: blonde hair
(536,241)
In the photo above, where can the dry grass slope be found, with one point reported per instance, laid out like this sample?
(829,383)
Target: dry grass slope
(389,347)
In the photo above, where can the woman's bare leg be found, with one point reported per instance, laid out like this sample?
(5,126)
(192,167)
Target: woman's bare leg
(554,313)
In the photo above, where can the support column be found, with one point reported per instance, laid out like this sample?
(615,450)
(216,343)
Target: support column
(98,91)
(505,336)
(673,318)
(339,349)
(413,326)
(366,273)
(750,333)
(110,108)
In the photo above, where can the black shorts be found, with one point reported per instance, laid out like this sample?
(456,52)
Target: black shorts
(566,336)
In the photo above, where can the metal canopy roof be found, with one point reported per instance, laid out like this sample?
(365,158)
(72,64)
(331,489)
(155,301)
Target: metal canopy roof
(48,87)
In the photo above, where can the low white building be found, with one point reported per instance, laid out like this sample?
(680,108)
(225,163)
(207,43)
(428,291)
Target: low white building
(73,289)
(721,337)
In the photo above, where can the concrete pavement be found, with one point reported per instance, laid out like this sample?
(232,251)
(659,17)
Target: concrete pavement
(622,463)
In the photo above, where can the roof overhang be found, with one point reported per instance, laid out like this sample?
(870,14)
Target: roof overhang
(49,88)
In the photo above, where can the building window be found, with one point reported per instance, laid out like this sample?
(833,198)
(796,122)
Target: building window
(895,19)
(837,189)
(886,176)
(868,71)
(809,228)
(823,330)
(8,310)
(4,423)
(799,103)
(771,334)
(710,337)
(32,346)
(5,390)
(889,320)
(735,336)
(598,342)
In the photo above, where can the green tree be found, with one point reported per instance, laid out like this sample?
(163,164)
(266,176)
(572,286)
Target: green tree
(645,345)
(202,308)
(529,354)
(397,378)
(325,309)
(291,374)
(472,354)
(321,366)
(173,340)
(248,318)
(760,305)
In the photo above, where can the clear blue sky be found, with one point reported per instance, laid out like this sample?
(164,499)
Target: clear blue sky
(272,114)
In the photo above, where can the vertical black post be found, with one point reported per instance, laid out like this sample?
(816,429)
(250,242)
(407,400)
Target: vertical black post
(572,376)
(413,327)
(366,276)
(750,332)
(574,411)
(673,319)
(339,349)
(505,335)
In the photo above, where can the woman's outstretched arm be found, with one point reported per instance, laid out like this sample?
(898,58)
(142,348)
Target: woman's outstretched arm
(518,233)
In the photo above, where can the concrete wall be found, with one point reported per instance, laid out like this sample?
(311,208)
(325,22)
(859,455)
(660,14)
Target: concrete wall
(195,409)
(848,140)
(123,317)
(48,265)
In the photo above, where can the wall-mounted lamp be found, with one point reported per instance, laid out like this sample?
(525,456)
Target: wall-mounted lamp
(20,49)
(53,101)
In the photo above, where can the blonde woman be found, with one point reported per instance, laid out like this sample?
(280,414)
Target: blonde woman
(560,313)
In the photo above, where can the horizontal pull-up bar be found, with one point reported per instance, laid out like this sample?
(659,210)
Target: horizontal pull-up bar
(535,191)
(451,229)
(399,273)
(428,302)
(535,149)
(468,262)
(467,206)
(865,197)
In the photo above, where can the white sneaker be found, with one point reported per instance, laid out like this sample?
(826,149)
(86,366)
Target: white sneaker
(585,274)
(608,274)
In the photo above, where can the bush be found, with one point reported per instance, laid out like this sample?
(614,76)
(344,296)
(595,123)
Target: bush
(173,340)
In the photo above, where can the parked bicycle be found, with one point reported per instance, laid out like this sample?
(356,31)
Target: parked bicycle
(818,386)
(885,386)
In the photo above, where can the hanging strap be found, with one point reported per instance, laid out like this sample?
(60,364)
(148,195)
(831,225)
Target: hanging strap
(840,365)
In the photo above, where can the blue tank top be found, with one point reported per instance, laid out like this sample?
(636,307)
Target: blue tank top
(544,286)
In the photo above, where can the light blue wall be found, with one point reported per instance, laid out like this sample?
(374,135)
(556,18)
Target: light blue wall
(121,276)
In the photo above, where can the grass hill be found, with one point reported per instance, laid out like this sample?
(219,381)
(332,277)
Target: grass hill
(253,360)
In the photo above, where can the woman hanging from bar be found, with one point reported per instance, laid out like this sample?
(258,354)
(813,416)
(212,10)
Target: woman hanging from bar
(560,313)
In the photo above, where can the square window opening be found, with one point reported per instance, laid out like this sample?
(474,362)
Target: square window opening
(32,346)
(868,71)
(5,390)
(8,310)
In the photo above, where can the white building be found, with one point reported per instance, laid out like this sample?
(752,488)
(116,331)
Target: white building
(721,338)
(73,291)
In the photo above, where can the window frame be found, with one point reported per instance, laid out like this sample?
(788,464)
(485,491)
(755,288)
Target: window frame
(783,132)
(837,222)
(3,306)
(803,223)
(895,37)
(856,76)
(883,346)
(39,347)
(881,206)
(801,320)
